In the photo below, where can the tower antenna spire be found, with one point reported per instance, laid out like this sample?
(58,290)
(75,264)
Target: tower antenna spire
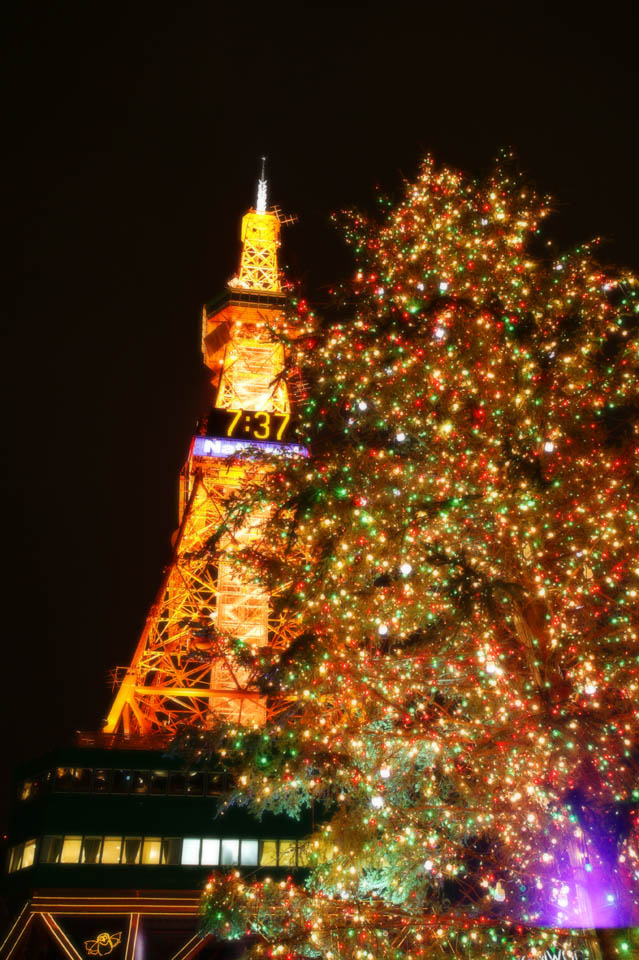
(260,206)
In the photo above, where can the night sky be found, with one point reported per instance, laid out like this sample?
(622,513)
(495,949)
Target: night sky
(133,144)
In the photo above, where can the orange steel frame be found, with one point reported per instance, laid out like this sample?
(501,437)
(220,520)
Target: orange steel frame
(178,676)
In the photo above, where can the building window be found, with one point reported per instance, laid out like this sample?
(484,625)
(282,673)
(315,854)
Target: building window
(91,847)
(230,853)
(195,784)
(190,851)
(210,852)
(111,849)
(51,849)
(28,857)
(82,778)
(15,858)
(158,780)
(71,850)
(250,853)
(63,779)
(140,779)
(121,781)
(268,854)
(303,854)
(171,850)
(215,784)
(102,781)
(151,850)
(176,784)
(287,856)
(132,850)
(25,791)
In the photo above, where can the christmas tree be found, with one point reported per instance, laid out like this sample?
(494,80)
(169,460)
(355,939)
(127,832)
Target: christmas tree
(460,553)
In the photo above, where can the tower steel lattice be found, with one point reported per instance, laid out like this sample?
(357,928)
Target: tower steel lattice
(183,670)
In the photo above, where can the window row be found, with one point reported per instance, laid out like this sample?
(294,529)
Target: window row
(156,782)
(160,851)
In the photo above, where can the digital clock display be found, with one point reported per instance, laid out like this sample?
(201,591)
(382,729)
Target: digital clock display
(248,424)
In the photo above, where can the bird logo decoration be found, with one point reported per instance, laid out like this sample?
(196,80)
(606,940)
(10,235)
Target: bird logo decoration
(103,945)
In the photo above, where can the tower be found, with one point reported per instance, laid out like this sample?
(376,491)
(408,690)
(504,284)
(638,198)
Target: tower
(183,671)
(112,838)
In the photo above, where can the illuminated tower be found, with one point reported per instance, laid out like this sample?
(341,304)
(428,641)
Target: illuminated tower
(183,670)
(112,838)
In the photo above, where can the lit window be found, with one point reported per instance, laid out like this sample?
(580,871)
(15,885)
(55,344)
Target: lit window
(190,851)
(29,854)
(249,853)
(64,778)
(151,850)
(91,850)
(111,849)
(230,853)
(50,849)
(287,853)
(210,852)
(15,858)
(132,850)
(269,853)
(303,855)
(71,850)
(82,778)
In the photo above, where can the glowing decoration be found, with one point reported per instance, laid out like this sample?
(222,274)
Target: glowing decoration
(499,894)
(103,945)
(499,680)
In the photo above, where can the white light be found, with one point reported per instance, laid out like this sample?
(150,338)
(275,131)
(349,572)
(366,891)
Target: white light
(439,333)
(443,286)
(382,630)
(428,865)
(362,405)
(491,667)
(406,569)
(549,446)
(591,688)
(420,286)
(384,773)
(499,893)
(400,437)
(377,802)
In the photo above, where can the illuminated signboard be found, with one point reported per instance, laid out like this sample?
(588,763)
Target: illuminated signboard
(223,447)
(249,424)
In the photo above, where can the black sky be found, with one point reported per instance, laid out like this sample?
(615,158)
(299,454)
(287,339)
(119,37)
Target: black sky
(132,142)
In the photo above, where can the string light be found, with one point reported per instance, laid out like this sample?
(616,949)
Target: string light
(499,681)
